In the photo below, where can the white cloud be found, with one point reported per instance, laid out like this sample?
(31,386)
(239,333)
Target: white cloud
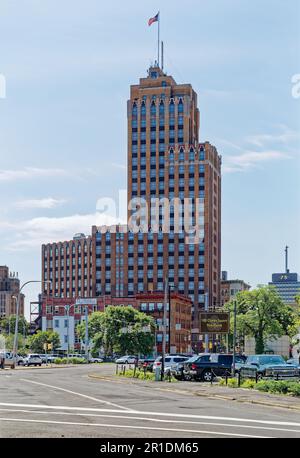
(28,173)
(250,159)
(48,203)
(119,166)
(34,232)
(285,137)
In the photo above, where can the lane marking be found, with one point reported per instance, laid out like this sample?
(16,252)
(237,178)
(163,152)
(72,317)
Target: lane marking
(159,414)
(77,394)
(147,428)
(154,420)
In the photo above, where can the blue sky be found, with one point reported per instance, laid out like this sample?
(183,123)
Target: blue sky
(68,67)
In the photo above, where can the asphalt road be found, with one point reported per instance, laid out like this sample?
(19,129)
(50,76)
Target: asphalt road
(66,402)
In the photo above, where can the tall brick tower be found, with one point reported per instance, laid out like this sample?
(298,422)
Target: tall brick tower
(166,160)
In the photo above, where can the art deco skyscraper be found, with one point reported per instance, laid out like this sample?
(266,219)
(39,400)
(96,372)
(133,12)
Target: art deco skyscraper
(166,160)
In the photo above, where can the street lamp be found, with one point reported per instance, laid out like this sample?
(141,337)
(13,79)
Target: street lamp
(86,311)
(15,346)
(169,300)
(24,326)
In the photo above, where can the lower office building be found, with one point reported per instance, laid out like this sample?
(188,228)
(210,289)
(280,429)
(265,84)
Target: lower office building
(63,316)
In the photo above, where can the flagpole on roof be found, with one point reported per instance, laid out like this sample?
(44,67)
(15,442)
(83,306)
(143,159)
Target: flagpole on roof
(158,42)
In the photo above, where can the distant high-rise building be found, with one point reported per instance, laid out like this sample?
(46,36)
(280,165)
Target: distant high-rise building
(230,288)
(9,290)
(286,283)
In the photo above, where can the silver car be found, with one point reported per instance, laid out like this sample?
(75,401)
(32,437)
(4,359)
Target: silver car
(33,360)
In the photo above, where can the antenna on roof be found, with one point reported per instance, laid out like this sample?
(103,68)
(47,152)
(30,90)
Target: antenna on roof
(286,259)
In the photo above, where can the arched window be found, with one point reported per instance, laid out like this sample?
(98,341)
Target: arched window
(180,106)
(191,154)
(153,109)
(134,110)
(171,106)
(171,155)
(181,155)
(161,108)
(143,109)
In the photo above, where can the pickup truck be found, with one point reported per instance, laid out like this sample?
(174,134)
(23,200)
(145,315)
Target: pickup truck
(218,364)
(6,359)
(268,366)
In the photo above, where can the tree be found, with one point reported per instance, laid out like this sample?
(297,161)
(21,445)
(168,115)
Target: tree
(7,325)
(9,342)
(36,342)
(120,329)
(262,314)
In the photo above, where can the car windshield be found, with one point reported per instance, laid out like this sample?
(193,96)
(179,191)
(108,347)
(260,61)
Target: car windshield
(271,360)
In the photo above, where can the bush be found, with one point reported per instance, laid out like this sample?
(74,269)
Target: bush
(248,384)
(279,387)
(141,375)
(232,383)
(69,361)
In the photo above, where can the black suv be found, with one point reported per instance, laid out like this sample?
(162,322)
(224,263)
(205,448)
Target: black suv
(218,364)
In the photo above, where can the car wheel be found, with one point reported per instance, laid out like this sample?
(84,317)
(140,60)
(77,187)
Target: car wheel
(207,376)
(20,363)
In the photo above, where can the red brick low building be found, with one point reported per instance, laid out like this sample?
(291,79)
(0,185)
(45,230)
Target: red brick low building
(63,315)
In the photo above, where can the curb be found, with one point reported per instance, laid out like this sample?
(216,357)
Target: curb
(206,395)
(61,366)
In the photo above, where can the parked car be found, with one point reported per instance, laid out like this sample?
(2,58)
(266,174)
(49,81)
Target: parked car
(294,362)
(273,366)
(32,360)
(181,371)
(52,358)
(218,364)
(43,358)
(170,362)
(146,363)
(127,359)
(95,360)
(9,359)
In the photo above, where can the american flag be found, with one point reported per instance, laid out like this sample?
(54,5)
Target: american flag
(153,19)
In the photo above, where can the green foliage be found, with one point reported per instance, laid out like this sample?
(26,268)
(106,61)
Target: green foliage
(285,387)
(249,383)
(69,361)
(141,375)
(36,342)
(106,329)
(279,387)
(232,383)
(262,314)
(9,323)
(9,343)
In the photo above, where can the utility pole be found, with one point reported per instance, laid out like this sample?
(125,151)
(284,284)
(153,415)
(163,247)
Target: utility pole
(164,331)
(206,307)
(169,300)
(234,337)
(86,334)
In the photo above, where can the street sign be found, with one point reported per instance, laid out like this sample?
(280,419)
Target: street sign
(91,301)
(214,323)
